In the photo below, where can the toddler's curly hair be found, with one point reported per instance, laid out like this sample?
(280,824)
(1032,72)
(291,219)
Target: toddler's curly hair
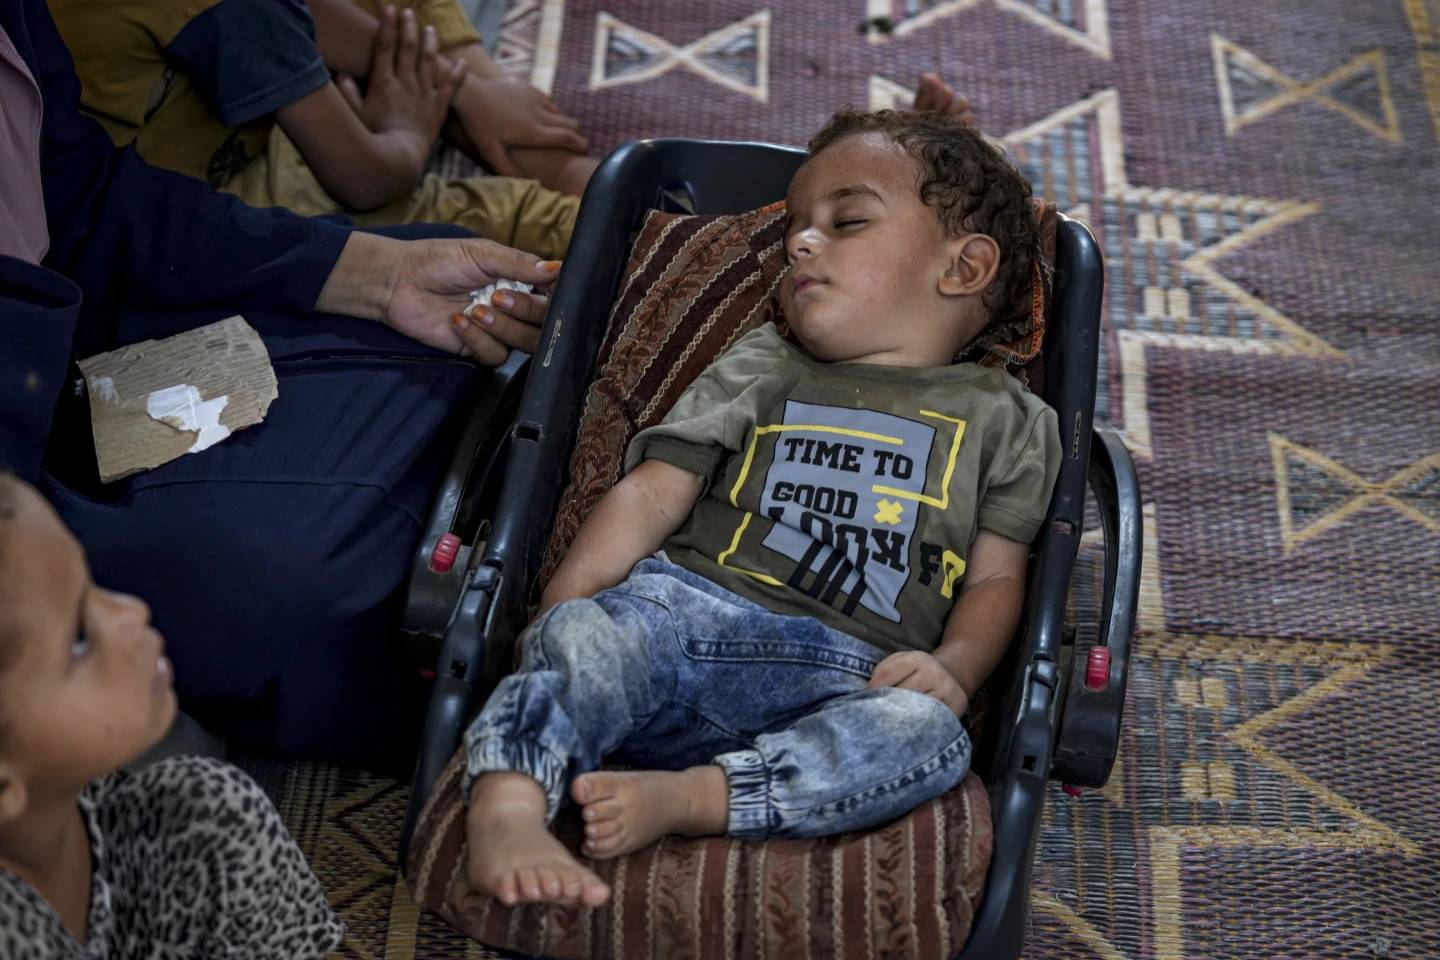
(971,186)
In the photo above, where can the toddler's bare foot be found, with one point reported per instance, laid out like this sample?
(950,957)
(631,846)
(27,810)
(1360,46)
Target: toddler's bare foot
(626,811)
(935,94)
(512,856)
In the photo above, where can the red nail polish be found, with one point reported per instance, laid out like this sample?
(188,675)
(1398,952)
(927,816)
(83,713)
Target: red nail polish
(459,320)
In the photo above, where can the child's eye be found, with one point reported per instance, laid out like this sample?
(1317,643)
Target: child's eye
(853,222)
(79,646)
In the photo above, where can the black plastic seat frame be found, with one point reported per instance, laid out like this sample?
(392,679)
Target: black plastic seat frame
(1045,722)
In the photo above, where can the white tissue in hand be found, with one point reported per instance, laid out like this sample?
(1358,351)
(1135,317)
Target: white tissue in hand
(481,297)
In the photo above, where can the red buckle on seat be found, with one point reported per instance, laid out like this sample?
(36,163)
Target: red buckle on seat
(442,558)
(1097,668)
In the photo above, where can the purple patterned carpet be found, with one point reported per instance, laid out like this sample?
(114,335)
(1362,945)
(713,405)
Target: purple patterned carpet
(1262,178)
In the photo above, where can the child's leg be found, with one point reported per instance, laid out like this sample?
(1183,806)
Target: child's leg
(860,760)
(586,676)
(779,707)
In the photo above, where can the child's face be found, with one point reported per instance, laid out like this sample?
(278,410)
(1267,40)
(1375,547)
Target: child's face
(87,688)
(868,259)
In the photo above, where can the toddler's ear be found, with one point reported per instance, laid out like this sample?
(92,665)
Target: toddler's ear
(974,259)
(13,796)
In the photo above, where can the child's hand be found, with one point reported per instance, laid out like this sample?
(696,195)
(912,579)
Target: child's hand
(915,670)
(408,95)
(498,114)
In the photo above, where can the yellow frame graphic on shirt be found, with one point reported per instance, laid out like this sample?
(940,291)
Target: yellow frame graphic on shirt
(942,502)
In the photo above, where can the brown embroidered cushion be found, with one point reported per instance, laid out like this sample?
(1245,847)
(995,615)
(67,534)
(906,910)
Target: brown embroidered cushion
(905,891)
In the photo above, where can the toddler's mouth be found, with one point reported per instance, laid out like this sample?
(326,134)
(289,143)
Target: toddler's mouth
(802,282)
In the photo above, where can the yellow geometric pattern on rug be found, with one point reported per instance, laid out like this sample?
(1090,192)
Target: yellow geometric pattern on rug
(1095,37)
(1233,61)
(1348,492)
(1424,17)
(1208,695)
(1157,220)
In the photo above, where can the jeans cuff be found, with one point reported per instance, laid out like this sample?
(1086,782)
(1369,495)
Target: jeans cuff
(492,753)
(749,793)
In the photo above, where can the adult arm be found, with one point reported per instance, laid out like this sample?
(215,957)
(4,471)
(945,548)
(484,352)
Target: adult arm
(127,232)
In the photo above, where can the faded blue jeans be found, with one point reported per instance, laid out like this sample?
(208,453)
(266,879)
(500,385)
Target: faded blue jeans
(669,670)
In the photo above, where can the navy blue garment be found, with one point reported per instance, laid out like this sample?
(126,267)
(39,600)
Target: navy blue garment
(249,58)
(273,561)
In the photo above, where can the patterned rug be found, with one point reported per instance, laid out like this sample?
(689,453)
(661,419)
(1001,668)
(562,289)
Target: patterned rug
(1261,177)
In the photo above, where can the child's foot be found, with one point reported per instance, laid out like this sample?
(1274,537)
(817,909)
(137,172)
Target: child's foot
(626,811)
(935,94)
(513,857)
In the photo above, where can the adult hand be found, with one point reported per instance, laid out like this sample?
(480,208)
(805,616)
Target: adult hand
(408,94)
(432,285)
(497,114)
(921,672)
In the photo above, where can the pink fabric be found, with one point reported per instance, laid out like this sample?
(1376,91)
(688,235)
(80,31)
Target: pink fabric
(23,232)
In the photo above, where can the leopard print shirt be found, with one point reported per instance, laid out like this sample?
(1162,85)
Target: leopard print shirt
(190,860)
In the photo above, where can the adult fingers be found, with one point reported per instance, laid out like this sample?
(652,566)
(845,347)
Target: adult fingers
(494,261)
(429,52)
(350,91)
(409,49)
(382,58)
(509,331)
(526,307)
(478,341)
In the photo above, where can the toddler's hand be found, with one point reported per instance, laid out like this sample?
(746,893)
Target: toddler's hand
(408,95)
(919,671)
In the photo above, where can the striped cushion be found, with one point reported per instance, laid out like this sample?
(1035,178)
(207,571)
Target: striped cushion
(905,891)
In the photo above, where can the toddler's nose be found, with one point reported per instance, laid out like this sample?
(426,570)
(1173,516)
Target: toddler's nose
(802,243)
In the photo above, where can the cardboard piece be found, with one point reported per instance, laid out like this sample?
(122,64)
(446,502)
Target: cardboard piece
(157,400)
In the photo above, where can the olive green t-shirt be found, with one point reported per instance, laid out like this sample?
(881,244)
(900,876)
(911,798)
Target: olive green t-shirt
(852,492)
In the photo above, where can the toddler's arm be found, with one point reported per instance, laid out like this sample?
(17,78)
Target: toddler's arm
(630,523)
(987,611)
(979,628)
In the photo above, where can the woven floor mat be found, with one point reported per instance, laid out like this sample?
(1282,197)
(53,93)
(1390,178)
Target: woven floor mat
(1262,179)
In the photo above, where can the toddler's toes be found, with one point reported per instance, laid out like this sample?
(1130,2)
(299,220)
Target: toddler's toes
(603,849)
(602,829)
(530,885)
(550,882)
(507,890)
(595,892)
(604,809)
(590,787)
